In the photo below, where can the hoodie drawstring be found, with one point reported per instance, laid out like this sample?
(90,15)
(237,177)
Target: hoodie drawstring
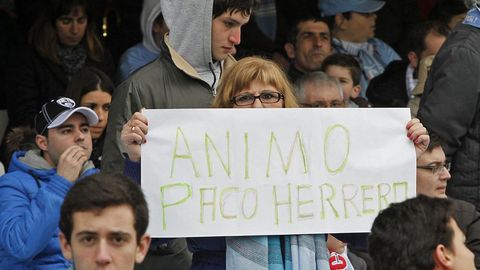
(212,87)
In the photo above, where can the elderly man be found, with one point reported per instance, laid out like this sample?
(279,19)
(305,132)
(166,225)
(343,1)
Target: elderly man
(317,89)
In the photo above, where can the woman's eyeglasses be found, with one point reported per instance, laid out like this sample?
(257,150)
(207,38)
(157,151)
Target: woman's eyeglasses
(249,99)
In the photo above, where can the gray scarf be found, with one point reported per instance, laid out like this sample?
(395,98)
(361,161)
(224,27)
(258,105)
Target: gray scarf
(73,59)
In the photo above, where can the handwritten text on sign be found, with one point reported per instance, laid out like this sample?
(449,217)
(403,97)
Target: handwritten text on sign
(212,172)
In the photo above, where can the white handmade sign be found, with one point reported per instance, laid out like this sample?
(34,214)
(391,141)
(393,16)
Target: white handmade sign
(224,172)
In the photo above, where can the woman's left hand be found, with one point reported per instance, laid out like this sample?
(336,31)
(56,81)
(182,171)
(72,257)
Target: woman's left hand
(417,133)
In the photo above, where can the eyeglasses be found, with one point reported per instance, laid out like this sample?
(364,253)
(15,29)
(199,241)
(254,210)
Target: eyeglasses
(322,104)
(437,168)
(249,99)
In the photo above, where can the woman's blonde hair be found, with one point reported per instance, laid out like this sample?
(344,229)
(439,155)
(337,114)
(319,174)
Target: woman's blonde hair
(241,74)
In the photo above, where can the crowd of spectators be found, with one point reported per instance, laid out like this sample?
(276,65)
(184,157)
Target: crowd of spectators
(75,75)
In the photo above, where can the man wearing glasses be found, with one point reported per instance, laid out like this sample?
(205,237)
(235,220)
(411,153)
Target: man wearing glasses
(432,177)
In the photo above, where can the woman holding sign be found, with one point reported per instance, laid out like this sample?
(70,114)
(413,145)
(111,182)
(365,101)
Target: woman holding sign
(251,83)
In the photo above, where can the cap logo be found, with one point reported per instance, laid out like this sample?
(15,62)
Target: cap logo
(66,102)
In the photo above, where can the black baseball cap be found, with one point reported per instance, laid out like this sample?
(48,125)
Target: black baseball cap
(57,111)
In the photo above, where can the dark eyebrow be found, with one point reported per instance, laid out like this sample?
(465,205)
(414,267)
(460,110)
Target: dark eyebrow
(68,17)
(65,126)
(232,20)
(120,233)
(72,126)
(314,33)
(85,233)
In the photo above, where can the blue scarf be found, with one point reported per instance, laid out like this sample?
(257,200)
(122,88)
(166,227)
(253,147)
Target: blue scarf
(265,253)
(473,17)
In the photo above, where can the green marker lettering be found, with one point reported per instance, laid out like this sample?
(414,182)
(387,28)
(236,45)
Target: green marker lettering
(204,203)
(188,155)
(164,189)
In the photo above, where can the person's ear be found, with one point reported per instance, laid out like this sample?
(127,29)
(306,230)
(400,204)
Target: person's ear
(356,91)
(413,59)
(41,142)
(443,257)
(65,246)
(339,20)
(290,50)
(142,248)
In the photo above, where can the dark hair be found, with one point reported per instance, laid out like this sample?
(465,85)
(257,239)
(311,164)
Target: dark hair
(418,34)
(293,31)
(244,6)
(344,60)
(330,20)
(405,235)
(159,19)
(87,80)
(435,141)
(445,10)
(21,138)
(99,191)
(43,34)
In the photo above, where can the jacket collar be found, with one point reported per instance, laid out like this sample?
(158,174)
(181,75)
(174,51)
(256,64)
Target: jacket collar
(473,17)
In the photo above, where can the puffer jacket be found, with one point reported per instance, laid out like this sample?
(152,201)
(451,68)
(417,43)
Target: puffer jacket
(450,106)
(31,195)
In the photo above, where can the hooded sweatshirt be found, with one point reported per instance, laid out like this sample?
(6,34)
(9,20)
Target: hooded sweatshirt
(147,50)
(182,77)
(31,195)
(190,35)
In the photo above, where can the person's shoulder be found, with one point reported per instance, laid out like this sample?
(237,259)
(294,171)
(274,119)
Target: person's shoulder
(152,70)
(397,66)
(26,55)
(461,205)
(17,180)
(377,41)
(464,36)
(137,56)
(465,214)
(380,44)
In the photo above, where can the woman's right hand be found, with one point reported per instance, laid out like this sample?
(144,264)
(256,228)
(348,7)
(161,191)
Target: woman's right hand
(133,135)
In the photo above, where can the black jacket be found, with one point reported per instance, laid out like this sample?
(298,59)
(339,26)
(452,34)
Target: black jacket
(389,89)
(450,106)
(33,80)
(468,220)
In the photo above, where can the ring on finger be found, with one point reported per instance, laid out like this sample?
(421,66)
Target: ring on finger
(133,129)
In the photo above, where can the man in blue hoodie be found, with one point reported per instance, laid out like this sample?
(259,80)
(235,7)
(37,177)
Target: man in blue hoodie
(153,28)
(32,191)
